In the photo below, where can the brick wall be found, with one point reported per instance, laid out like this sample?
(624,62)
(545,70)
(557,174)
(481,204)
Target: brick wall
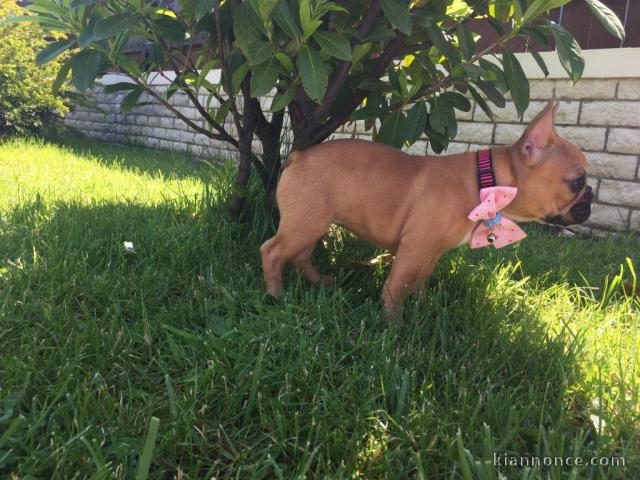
(602,116)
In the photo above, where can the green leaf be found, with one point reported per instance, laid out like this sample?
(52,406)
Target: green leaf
(86,37)
(537,33)
(335,45)
(259,52)
(46,7)
(381,33)
(63,73)
(313,72)
(502,8)
(264,7)
(238,76)
(111,26)
(457,101)
(519,6)
(323,7)
(538,58)
(397,11)
(437,37)
(156,55)
(494,74)
(466,41)
(247,26)
(202,7)
(264,77)
(474,72)
(360,51)
(437,141)
(204,71)
(392,130)
(607,18)
(80,3)
(443,116)
(284,18)
(128,64)
(569,52)
(169,28)
(129,101)
(517,81)
(222,112)
(21,19)
(85,68)
(437,119)
(281,100)
(492,93)
(119,87)
(309,23)
(416,120)
(285,61)
(480,101)
(52,50)
(539,6)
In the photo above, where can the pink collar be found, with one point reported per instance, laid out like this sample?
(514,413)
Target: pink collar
(493,228)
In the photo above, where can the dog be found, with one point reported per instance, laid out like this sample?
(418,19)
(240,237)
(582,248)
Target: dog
(419,207)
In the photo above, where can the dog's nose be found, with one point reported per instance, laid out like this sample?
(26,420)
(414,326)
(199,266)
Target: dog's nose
(581,210)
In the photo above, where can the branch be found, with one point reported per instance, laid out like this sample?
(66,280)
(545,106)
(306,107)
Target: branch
(264,176)
(448,80)
(178,114)
(341,73)
(343,114)
(224,135)
(226,72)
(387,56)
(302,101)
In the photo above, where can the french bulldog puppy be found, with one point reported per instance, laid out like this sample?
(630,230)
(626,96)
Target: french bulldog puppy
(418,207)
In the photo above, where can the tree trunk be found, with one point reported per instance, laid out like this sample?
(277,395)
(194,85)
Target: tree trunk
(270,138)
(239,198)
(272,163)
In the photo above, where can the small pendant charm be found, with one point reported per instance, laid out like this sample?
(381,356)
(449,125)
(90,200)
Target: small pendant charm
(491,238)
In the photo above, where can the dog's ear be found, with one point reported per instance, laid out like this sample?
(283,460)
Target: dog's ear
(539,134)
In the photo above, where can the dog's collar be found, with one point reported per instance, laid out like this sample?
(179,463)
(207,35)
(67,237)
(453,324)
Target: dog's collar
(493,228)
(485,172)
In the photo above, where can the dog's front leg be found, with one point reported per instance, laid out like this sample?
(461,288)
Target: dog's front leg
(409,271)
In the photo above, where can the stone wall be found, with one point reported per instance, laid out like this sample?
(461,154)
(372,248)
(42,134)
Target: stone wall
(602,116)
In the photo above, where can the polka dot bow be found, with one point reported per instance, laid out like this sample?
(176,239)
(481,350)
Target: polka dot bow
(493,228)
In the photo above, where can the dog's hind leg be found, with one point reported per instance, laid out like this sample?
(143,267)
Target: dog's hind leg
(304,219)
(271,266)
(304,263)
(292,244)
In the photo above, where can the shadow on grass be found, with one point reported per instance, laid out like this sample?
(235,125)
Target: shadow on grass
(315,384)
(156,163)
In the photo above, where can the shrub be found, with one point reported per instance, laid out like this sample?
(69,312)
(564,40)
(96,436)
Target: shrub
(27,101)
(393,64)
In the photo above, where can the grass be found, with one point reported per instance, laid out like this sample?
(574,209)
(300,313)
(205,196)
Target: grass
(172,361)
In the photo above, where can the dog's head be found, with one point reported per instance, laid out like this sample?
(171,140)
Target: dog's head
(550,173)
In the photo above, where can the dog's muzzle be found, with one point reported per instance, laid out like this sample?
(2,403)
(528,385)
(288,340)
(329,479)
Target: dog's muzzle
(582,209)
(578,213)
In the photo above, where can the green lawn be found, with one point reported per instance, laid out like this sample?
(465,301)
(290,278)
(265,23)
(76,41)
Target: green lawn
(531,350)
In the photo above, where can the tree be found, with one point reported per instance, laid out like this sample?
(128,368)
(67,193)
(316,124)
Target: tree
(26,101)
(401,66)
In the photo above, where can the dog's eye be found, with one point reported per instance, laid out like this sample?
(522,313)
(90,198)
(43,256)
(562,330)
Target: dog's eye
(577,184)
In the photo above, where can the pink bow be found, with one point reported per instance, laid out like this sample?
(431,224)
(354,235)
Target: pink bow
(505,232)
